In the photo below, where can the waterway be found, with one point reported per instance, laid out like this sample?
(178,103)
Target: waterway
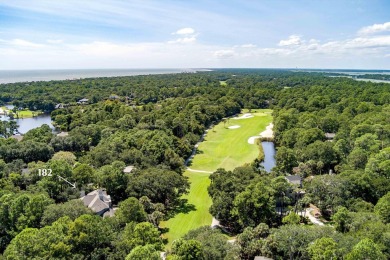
(269,155)
(26,124)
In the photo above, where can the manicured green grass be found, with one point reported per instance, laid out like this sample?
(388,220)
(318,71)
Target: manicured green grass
(23,113)
(196,212)
(223,147)
(222,83)
(27,113)
(229,148)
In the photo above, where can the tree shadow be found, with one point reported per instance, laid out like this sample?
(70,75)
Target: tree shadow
(199,151)
(182,207)
(164,230)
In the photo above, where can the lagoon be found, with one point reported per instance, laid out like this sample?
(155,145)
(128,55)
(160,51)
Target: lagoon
(269,155)
(26,124)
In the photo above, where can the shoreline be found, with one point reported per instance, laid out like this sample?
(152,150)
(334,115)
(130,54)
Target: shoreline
(267,134)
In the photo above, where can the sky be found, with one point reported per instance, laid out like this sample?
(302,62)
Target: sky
(83,34)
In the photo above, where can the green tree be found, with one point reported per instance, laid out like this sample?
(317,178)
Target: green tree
(255,205)
(130,210)
(382,208)
(292,218)
(158,185)
(72,209)
(251,241)
(83,174)
(69,157)
(341,219)
(144,252)
(214,244)
(323,249)
(187,249)
(366,249)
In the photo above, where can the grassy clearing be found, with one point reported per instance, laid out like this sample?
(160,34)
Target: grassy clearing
(195,213)
(26,113)
(229,148)
(222,83)
(222,148)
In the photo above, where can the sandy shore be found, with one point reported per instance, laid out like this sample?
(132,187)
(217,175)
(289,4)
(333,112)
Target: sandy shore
(267,133)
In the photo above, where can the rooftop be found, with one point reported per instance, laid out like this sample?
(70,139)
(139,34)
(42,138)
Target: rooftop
(98,201)
(294,179)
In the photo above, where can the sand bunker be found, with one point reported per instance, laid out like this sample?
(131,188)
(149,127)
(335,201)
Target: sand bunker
(252,139)
(244,116)
(267,133)
(234,126)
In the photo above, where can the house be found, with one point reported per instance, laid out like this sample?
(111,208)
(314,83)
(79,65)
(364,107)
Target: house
(295,180)
(128,169)
(98,201)
(59,106)
(83,101)
(330,136)
(262,258)
(63,134)
(114,97)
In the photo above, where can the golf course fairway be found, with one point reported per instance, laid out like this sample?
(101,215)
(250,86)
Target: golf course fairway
(223,147)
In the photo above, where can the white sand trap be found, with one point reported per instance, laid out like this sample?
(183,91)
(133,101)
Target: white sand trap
(267,133)
(244,116)
(234,126)
(252,139)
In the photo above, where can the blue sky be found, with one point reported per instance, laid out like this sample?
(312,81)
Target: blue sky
(71,34)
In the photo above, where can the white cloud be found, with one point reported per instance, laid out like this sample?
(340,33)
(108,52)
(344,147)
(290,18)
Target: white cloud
(184,40)
(185,31)
(376,28)
(187,36)
(387,55)
(293,40)
(58,41)
(25,44)
(249,45)
(224,54)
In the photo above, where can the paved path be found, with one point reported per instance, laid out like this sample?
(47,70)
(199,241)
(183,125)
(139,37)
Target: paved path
(192,170)
(312,219)
(215,223)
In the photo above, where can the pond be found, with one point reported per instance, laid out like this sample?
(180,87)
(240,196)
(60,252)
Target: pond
(26,124)
(269,155)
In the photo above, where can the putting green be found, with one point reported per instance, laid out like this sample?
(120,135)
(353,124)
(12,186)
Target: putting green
(222,148)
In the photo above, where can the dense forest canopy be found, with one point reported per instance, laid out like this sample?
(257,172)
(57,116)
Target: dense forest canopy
(333,132)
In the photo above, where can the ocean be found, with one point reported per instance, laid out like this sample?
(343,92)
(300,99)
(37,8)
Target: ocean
(12,76)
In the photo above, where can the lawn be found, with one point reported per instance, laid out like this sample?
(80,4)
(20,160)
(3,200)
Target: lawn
(196,212)
(26,113)
(222,83)
(222,147)
(229,148)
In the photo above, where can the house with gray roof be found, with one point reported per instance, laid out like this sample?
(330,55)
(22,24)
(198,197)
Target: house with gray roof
(98,201)
(294,180)
(83,101)
(128,169)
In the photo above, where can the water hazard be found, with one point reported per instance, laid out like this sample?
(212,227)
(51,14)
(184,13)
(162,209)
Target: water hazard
(269,155)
